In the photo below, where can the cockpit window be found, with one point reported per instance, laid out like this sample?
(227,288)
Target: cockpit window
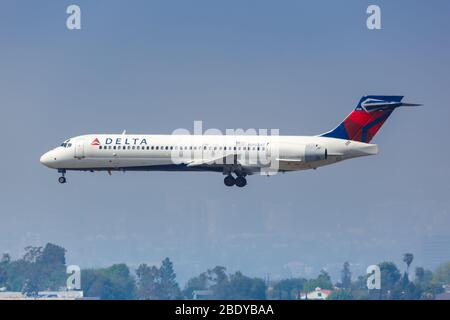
(66,144)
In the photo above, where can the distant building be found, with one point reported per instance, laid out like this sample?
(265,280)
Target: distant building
(446,288)
(317,294)
(43,295)
(445,295)
(442,296)
(202,294)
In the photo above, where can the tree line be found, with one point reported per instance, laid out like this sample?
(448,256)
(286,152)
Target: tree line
(44,269)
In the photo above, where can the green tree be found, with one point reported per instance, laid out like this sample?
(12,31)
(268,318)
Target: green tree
(219,282)
(346,276)
(169,287)
(390,275)
(359,290)
(32,253)
(30,288)
(322,281)
(113,283)
(419,275)
(341,294)
(200,282)
(40,268)
(18,271)
(424,284)
(50,265)
(148,282)
(408,259)
(289,289)
(441,275)
(404,290)
(224,286)
(241,287)
(4,264)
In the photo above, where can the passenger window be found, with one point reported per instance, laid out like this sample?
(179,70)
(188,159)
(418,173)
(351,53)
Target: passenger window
(171,147)
(133,147)
(99,147)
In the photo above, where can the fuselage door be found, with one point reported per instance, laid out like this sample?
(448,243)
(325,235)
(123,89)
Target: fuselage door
(79,149)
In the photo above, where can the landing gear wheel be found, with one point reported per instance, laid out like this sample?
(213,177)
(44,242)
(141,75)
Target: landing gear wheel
(241,182)
(229,181)
(62,179)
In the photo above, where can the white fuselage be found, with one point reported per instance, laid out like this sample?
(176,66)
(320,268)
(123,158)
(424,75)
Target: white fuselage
(226,154)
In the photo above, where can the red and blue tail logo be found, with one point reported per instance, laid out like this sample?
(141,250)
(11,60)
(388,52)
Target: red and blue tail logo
(368,117)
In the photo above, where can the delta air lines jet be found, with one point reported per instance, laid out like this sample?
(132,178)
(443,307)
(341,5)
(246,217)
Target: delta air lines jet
(235,156)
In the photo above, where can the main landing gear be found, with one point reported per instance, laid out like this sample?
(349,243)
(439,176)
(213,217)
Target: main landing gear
(239,181)
(62,179)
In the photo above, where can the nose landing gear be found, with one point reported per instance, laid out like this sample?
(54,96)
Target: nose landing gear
(62,179)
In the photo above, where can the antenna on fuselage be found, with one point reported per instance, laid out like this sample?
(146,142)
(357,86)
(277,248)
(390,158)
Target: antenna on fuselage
(124,132)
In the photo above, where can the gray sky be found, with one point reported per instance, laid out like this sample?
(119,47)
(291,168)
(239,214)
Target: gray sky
(155,66)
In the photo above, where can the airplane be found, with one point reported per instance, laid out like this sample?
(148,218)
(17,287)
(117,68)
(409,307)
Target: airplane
(235,156)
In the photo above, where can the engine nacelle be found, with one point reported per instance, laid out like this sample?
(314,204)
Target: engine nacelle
(314,152)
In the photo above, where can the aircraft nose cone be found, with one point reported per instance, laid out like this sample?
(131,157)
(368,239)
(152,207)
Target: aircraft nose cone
(46,159)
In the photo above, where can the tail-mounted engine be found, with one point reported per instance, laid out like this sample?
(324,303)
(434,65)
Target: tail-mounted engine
(314,152)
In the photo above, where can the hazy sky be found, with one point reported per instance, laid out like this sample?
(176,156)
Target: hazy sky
(155,66)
